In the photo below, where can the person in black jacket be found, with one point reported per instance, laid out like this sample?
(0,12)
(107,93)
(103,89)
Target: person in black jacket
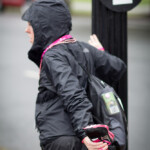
(62,106)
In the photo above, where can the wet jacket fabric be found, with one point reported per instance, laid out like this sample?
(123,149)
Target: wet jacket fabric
(62,106)
(53,19)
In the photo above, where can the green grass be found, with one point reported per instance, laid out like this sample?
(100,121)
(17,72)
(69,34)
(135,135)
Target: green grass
(82,1)
(86,13)
(142,1)
(81,13)
(145,2)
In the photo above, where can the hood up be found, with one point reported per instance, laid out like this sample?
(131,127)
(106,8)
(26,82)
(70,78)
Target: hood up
(50,20)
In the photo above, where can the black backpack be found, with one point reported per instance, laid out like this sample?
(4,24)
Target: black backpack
(107,107)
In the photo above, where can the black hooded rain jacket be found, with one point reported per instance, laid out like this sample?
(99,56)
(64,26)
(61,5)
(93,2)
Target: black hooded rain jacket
(62,106)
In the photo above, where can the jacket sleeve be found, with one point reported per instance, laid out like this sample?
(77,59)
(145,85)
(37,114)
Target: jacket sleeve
(108,67)
(70,92)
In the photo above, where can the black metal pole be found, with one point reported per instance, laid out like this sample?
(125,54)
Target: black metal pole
(111,29)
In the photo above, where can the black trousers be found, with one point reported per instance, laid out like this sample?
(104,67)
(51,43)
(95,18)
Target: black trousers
(65,143)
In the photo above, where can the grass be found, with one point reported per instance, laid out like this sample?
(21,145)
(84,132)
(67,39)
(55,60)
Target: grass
(1,148)
(86,13)
(82,1)
(81,13)
(143,2)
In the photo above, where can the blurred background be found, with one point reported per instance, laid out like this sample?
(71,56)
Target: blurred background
(19,76)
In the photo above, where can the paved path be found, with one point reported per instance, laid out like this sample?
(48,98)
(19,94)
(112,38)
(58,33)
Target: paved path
(139,83)
(18,78)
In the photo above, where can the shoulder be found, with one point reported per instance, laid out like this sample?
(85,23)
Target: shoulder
(92,51)
(57,50)
(55,54)
(86,45)
(90,48)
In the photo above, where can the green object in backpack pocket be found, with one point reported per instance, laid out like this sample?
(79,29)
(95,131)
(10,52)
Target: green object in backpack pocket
(111,103)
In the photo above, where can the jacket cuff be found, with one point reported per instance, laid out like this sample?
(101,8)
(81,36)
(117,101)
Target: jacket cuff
(83,139)
(82,136)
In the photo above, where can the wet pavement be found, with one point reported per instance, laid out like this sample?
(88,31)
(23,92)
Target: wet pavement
(19,82)
(139,83)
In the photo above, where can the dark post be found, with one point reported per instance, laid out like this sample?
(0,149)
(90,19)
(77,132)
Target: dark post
(109,23)
(111,29)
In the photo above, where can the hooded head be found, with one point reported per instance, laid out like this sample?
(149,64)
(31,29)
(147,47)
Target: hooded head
(50,20)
